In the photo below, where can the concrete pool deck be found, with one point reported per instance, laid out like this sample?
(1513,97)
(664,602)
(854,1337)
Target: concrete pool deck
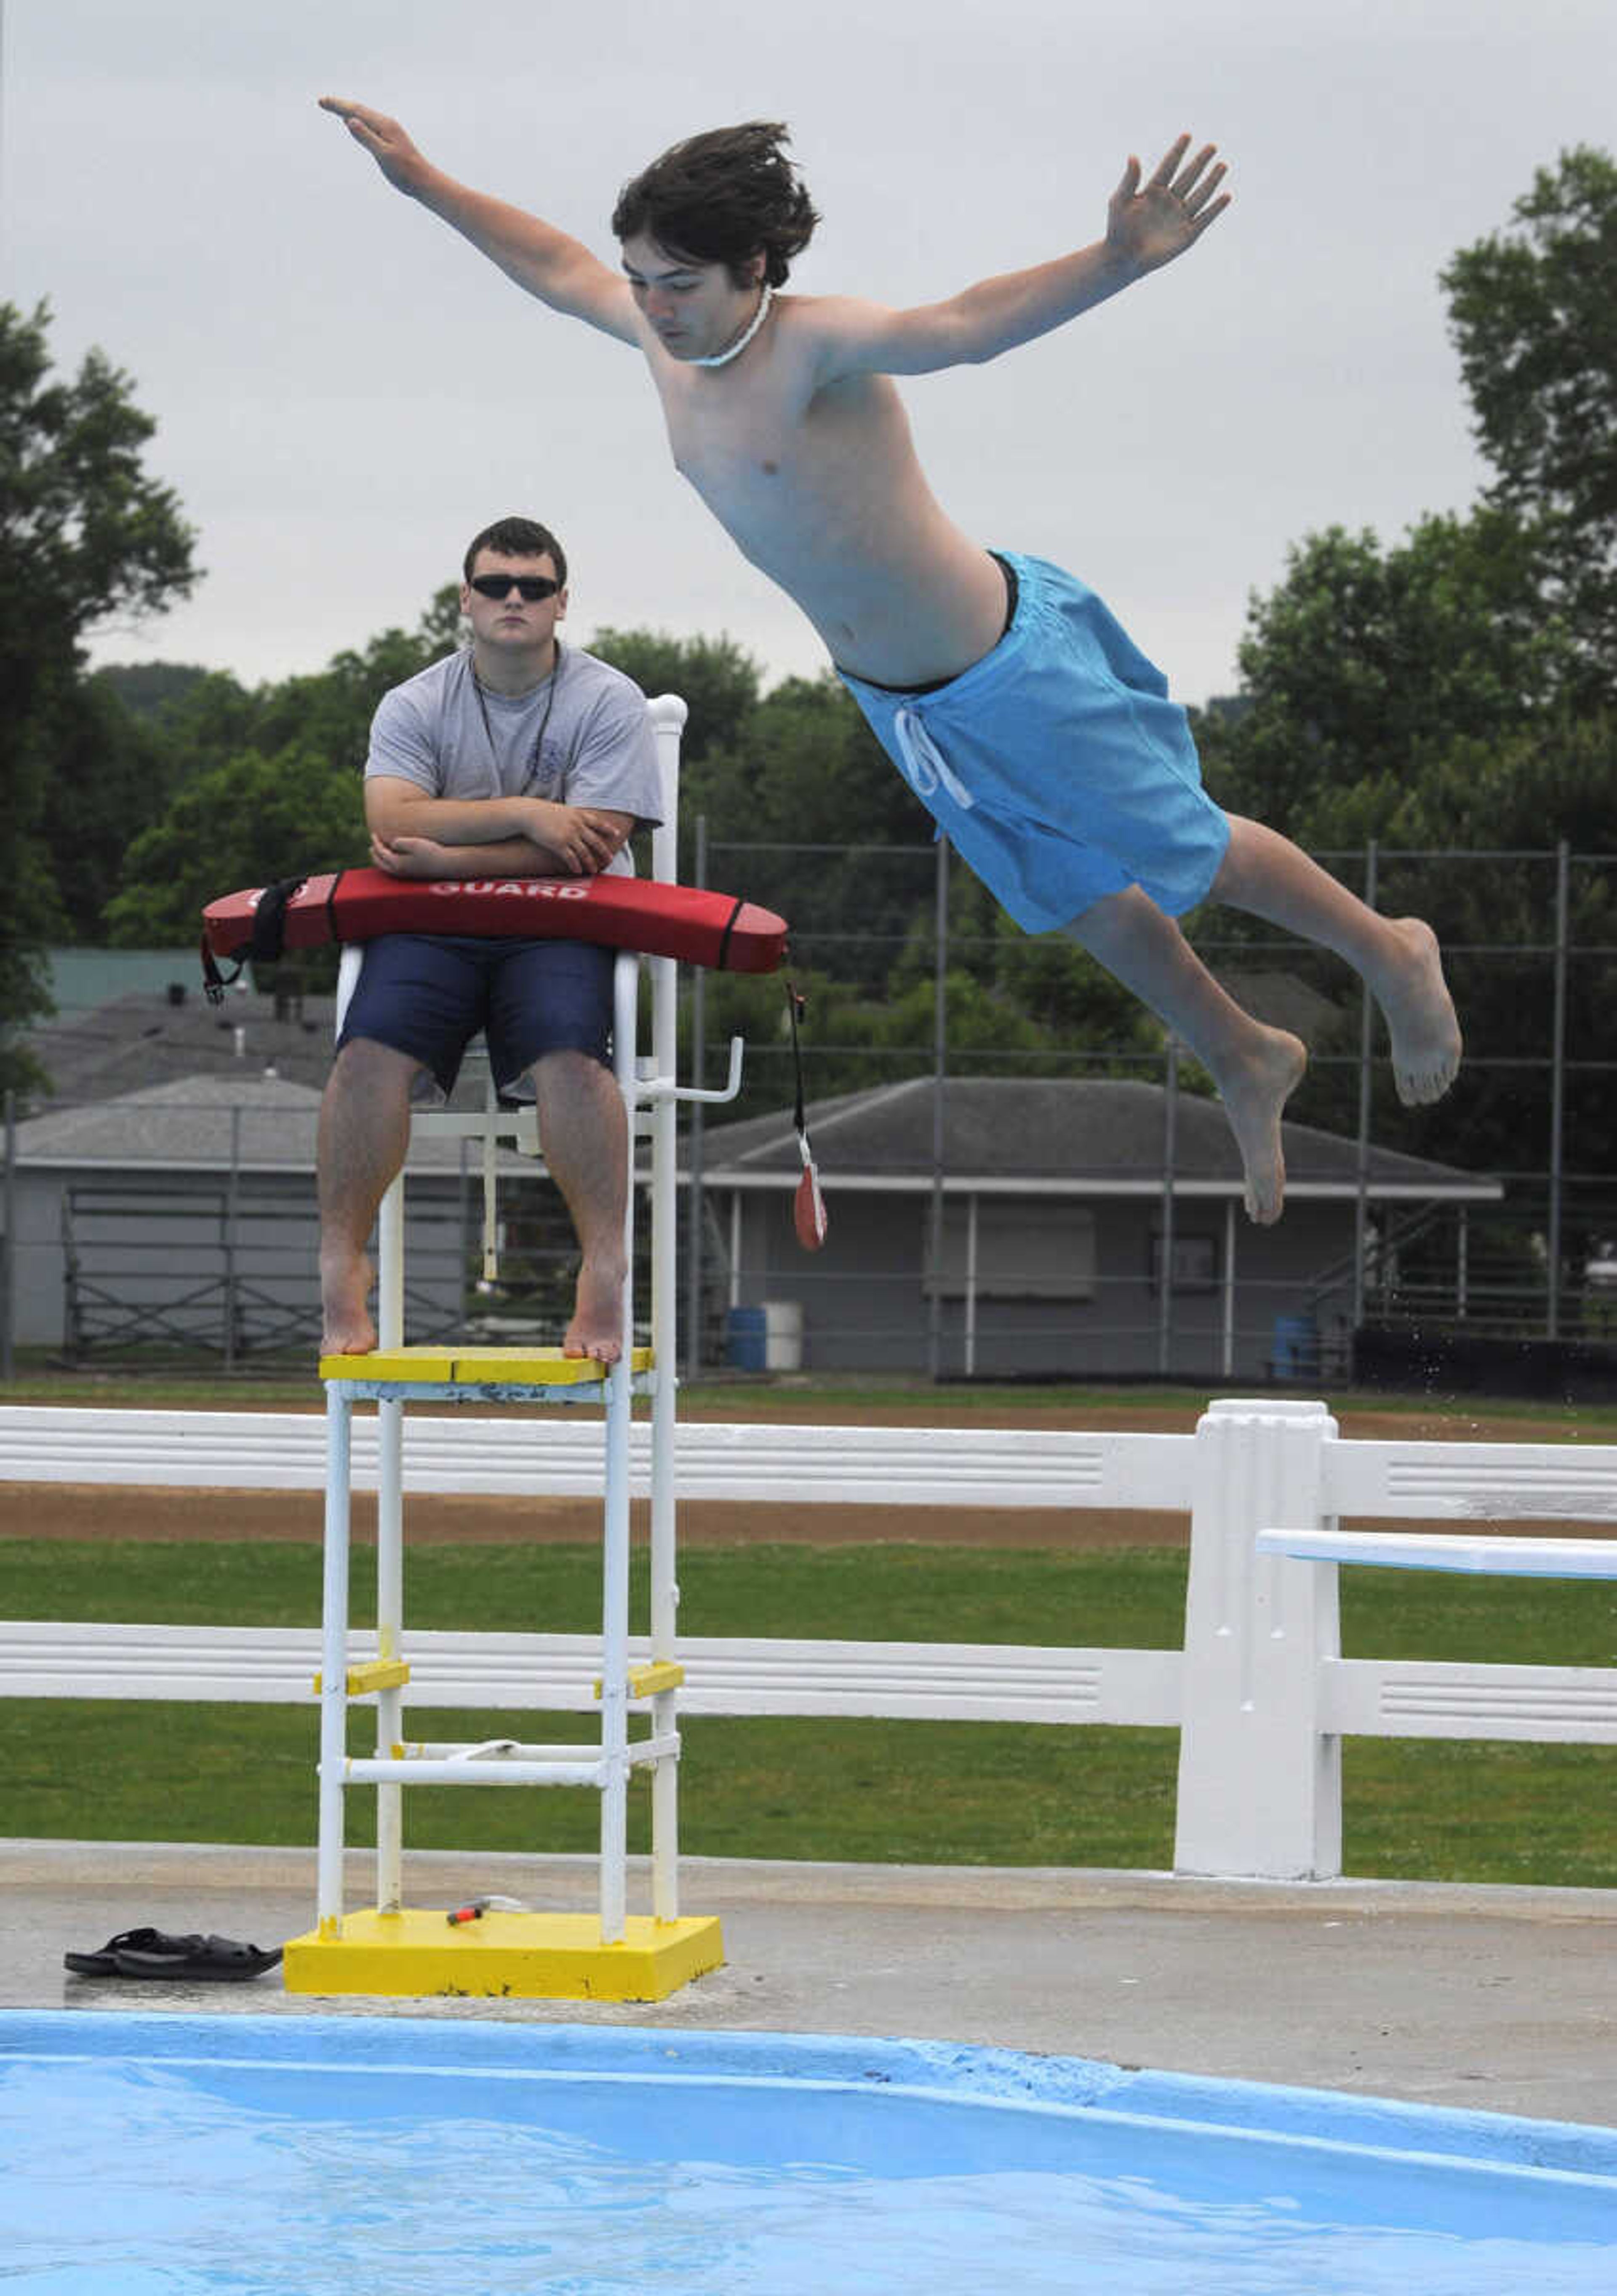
(1490,1999)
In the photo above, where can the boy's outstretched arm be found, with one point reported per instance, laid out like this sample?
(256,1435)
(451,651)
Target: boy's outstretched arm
(561,271)
(1148,224)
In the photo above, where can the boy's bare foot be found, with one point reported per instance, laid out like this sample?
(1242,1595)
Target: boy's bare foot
(345,1289)
(596,1329)
(1254,1090)
(1420,1017)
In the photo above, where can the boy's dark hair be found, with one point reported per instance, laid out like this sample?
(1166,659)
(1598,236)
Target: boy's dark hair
(723,197)
(517,537)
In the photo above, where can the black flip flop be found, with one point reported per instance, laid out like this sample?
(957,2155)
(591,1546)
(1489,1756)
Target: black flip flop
(105,1964)
(213,1957)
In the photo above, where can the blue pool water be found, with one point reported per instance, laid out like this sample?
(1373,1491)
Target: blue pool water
(161,2155)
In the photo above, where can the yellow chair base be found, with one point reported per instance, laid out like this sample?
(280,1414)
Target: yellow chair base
(428,1367)
(511,1956)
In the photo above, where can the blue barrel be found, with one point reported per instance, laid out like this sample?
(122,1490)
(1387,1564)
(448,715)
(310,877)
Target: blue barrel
(1296,1347)
(746,1339)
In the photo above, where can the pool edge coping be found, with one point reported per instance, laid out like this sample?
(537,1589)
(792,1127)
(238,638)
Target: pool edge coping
(959,2071)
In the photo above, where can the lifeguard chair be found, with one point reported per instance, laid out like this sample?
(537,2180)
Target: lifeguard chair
(613,1954)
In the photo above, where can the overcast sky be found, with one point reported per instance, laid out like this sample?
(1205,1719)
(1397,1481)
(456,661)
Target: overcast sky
(344,391)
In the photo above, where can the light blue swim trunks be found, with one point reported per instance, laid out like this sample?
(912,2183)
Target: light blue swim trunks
(1056,766)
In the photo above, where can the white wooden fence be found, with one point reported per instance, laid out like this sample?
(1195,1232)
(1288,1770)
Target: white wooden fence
(1259,1692)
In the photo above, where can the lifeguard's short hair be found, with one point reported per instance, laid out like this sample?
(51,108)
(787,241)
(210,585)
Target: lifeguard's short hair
(517,537)
(723,197)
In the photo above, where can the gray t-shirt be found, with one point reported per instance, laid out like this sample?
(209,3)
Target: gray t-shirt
(582,738)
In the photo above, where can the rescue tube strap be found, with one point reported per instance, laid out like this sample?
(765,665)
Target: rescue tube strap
(267,943)
(721,959)
(809,1205)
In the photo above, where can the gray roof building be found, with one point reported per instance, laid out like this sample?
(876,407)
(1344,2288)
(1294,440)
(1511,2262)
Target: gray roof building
(1035,1243)
(145,1038)
(1039,1136)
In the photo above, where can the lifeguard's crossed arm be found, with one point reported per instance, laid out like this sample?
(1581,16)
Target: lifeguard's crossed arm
(426,856)
(559,270)
(1147,224)
(414,835)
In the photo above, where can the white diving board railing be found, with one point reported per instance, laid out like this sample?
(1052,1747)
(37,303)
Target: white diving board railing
(1258,1692)
(1397,1550)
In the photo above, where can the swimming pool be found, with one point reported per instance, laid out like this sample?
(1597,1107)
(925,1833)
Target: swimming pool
(157,2155)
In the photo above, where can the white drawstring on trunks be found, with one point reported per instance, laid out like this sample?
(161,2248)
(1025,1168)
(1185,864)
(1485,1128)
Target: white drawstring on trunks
(924,763)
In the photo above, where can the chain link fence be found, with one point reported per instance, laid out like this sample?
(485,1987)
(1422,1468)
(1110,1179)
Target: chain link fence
(200,1243)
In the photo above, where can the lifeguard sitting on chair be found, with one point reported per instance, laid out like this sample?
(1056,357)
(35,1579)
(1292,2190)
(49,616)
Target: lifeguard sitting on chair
(510,758)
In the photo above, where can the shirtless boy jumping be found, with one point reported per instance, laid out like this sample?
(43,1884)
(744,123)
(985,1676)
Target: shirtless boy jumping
(1040,740)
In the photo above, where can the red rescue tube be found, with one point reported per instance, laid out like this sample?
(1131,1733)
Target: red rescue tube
(637,913)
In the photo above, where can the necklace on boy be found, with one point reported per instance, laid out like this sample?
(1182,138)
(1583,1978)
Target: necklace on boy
(735,350)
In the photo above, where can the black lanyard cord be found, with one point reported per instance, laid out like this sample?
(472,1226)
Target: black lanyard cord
(533,755)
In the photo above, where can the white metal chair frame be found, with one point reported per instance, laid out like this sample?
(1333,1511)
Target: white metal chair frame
(650,1091)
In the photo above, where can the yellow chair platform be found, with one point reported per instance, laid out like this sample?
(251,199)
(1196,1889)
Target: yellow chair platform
(478,1368)
(504,1955)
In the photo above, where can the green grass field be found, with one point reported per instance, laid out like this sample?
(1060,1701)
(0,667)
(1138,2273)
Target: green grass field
(952,1793)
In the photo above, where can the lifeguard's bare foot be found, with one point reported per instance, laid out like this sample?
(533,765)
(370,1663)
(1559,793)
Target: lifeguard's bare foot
(345,1289)
(596,1329)
(1420,1017)
(1255,1088)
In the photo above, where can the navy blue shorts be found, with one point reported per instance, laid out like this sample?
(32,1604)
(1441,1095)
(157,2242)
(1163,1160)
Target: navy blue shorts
(428,995)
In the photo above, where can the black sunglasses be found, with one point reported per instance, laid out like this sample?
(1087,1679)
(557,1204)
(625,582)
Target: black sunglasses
(533,587)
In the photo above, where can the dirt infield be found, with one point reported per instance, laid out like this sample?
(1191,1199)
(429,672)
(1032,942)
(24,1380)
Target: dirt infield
(82,1512)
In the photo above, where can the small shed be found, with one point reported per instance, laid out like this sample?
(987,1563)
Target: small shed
(164,1195)
(184,1215)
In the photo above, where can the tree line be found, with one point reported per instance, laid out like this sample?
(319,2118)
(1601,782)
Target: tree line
(1453,688)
